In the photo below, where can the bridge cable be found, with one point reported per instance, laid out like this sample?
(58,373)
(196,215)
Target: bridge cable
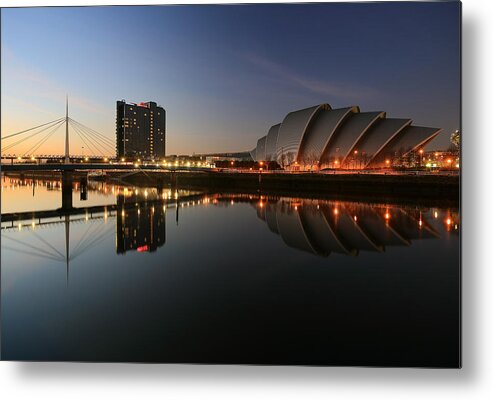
(38,144)
(84,140)
(28,137)
(104,147)
(88,140)
(30,129)
(94,133)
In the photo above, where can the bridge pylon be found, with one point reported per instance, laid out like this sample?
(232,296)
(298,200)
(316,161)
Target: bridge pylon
(67,154)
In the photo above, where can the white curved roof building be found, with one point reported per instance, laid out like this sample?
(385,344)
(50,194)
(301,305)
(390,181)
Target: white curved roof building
(322,137)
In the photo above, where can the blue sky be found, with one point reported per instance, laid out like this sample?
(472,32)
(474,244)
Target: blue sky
(226,73)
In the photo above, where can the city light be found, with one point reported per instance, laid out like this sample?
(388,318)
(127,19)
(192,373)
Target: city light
(123,159)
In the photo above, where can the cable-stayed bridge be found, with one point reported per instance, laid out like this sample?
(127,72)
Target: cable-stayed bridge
(27,145)
(23,150)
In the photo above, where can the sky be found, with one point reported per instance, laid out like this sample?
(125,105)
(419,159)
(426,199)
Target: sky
(226,73)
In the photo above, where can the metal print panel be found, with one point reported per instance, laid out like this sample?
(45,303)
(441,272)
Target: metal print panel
(232,184)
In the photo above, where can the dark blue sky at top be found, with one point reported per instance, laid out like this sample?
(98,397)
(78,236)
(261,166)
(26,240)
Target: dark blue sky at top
(225,74)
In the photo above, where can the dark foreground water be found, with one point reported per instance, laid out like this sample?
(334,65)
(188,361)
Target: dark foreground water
(185,277)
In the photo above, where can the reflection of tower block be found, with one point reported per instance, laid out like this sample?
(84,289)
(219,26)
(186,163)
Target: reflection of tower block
(141,228)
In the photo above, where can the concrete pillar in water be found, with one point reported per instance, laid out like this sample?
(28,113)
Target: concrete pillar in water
(67,181)
(83,188)
(173,179)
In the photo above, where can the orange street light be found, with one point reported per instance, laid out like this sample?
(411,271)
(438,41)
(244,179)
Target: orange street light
(420,151)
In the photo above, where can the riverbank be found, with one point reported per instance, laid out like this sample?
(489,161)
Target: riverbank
(371,186)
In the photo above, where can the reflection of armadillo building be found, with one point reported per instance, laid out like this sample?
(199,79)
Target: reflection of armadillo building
(141,228)
(321,137)
(325,227)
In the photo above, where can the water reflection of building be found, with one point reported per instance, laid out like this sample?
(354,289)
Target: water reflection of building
(325,227)
(140,227)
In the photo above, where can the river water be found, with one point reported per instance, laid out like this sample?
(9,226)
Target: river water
(185,277)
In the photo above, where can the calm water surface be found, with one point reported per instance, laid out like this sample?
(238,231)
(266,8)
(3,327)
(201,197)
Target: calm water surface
(167,276)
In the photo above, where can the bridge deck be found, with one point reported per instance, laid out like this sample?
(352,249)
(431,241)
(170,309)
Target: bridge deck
(96,167)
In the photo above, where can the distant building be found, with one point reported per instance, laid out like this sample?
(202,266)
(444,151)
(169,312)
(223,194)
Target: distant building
(321,137)
(140,130)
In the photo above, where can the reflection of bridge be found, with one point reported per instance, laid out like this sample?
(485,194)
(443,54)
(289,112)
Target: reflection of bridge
(140,226)
(320,227)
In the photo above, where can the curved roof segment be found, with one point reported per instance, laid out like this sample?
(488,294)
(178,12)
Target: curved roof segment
(341,143)
(320,132)
(271,141)
(408,139)
(291,133)
(321,137)
(260,152)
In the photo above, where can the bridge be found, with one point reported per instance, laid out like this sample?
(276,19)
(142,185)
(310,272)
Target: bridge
(22,151)
(26,144)
(98,166)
